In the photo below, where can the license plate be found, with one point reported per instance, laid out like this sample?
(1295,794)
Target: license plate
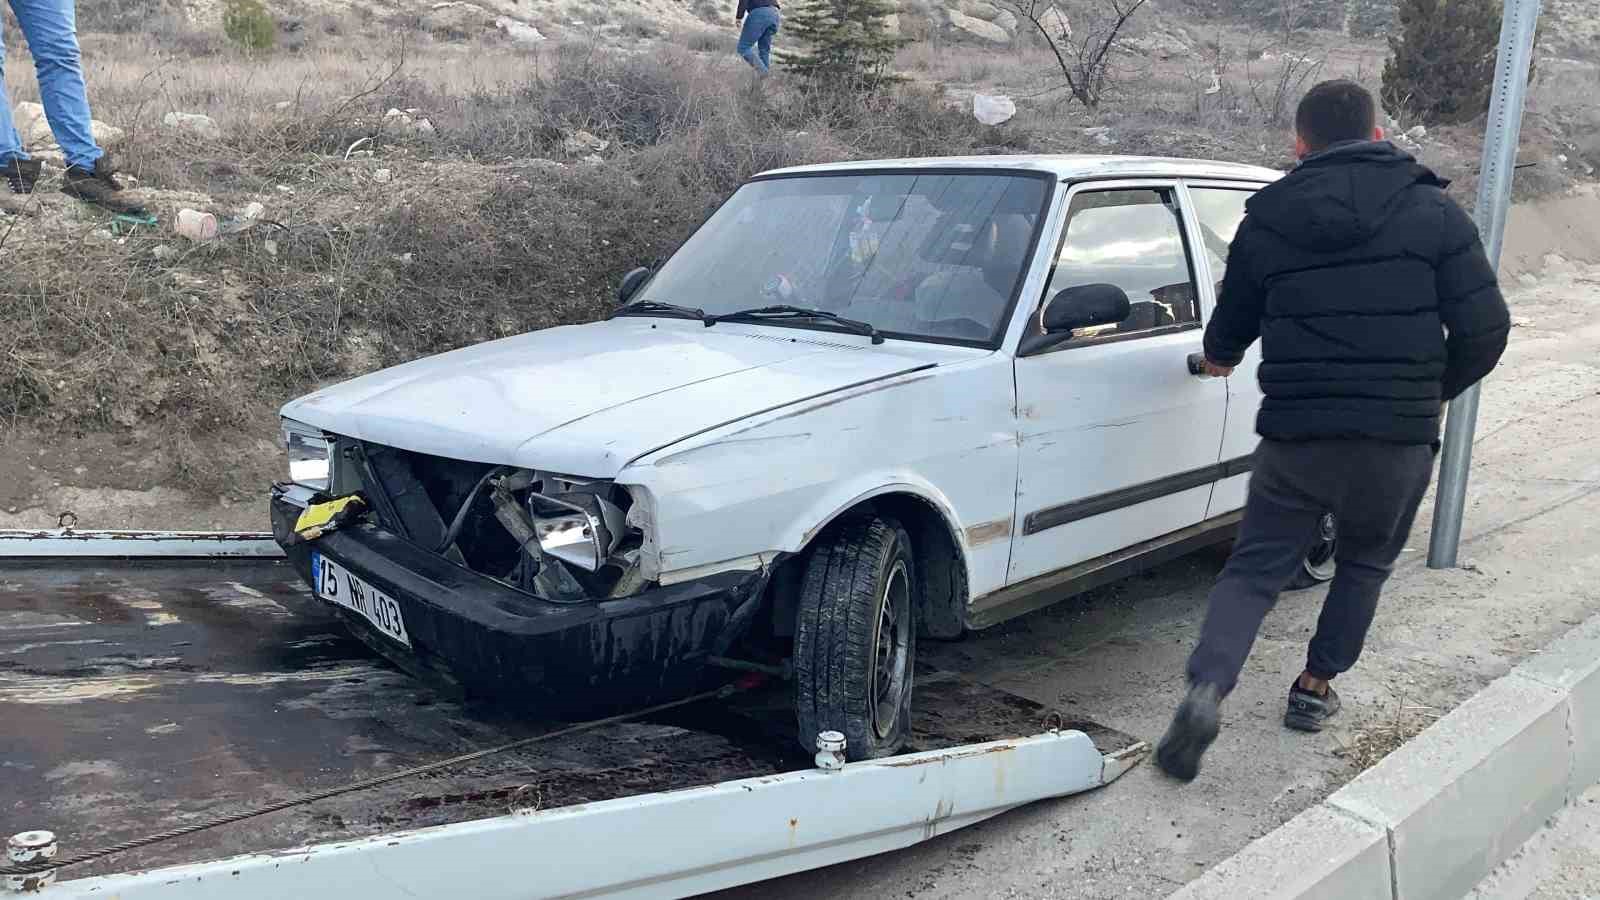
(336,584)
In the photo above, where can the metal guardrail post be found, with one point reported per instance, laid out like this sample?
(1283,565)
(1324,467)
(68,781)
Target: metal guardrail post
(1494,205)
(31,847)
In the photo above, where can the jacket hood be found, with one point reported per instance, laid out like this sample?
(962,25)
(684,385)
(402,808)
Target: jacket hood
(1340,197)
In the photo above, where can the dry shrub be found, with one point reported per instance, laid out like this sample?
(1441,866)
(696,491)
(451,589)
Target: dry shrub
(472,237)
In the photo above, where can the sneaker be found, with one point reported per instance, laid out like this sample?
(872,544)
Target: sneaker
(99,186)
(1307,711)
(1193,728)
(20,174)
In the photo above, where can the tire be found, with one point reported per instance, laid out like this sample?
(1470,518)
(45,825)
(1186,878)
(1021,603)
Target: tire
(856,638)
(1318,566)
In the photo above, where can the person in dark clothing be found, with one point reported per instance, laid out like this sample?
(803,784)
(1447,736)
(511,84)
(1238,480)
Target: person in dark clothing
(760,20)
(1375,304)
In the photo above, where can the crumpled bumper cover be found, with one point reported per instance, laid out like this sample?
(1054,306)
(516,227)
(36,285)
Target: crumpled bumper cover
(473,635)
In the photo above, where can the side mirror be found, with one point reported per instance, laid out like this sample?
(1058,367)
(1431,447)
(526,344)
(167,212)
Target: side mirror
(631,283)
(1085,306)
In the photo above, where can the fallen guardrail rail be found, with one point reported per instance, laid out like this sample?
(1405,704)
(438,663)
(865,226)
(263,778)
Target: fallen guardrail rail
(660,845)
(58,543)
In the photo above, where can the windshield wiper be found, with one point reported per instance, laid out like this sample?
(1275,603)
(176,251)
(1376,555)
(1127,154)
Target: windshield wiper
(656,307)
(785,312)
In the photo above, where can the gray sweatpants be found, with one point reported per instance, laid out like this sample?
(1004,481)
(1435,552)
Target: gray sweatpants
(1373,489)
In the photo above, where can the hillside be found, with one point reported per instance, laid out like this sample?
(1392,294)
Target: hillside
(428,175)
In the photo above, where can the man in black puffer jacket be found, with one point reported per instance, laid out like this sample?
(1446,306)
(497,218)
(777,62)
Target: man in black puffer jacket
(1375,304)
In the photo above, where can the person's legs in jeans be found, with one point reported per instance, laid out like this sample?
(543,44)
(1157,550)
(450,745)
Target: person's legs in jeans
(51,29)
(764,45)
(1373,529)
(759,25)
(1280,522)
(10,141)
(1281,515)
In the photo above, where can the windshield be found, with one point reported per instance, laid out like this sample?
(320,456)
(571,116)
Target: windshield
(927,256)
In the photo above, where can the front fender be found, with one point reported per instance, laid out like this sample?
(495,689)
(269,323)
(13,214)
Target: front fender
(946,437)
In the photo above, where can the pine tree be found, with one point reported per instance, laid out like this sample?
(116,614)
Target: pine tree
(1370,18)
(1441,62)
(849,43)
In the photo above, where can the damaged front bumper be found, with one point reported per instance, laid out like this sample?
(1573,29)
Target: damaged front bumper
(480,637)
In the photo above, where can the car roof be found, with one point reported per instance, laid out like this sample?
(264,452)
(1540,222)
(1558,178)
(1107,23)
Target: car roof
(1065,167)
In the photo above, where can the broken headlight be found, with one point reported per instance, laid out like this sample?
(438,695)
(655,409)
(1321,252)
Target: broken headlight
(577,527)
(310,455)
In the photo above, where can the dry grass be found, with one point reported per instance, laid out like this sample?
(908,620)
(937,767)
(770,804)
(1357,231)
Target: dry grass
(482,229)
(1370,744)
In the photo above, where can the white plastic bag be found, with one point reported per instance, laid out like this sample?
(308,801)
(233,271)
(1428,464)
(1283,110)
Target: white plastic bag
(993,109)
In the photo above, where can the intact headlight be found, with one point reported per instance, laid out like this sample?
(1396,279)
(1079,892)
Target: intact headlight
(310,455)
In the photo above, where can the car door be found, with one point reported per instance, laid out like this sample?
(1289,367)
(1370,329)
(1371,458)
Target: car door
(1118,441)
(1215,209)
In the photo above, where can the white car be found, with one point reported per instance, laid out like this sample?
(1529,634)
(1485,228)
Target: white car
(863,403)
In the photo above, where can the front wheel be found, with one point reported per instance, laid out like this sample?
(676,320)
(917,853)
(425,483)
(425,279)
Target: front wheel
(1319,564)
(856,638)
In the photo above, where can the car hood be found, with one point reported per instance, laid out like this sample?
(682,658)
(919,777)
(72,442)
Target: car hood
(589,399)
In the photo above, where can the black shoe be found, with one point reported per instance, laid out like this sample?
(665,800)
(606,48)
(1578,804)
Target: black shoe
(1193,728)
(99,186)
(20,174)
(1307,711)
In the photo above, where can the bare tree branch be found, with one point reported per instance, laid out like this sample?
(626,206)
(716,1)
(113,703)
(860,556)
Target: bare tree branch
(1084,54)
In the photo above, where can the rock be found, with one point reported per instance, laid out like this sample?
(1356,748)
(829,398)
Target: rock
(993,109)
(978,28)
(1527,279)
(283,106)
(383,176)
(105,135)
(271,246)
(458,18)
(1057,24)
(518,32)
(194,123)
(582,143)
(1100,134)
(594,159)
(1418,134)
(1159,46)
(980,9)
(1008,20)
(405,120)
(30,121)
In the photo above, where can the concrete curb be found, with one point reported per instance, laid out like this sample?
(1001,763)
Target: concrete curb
(1440,813)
